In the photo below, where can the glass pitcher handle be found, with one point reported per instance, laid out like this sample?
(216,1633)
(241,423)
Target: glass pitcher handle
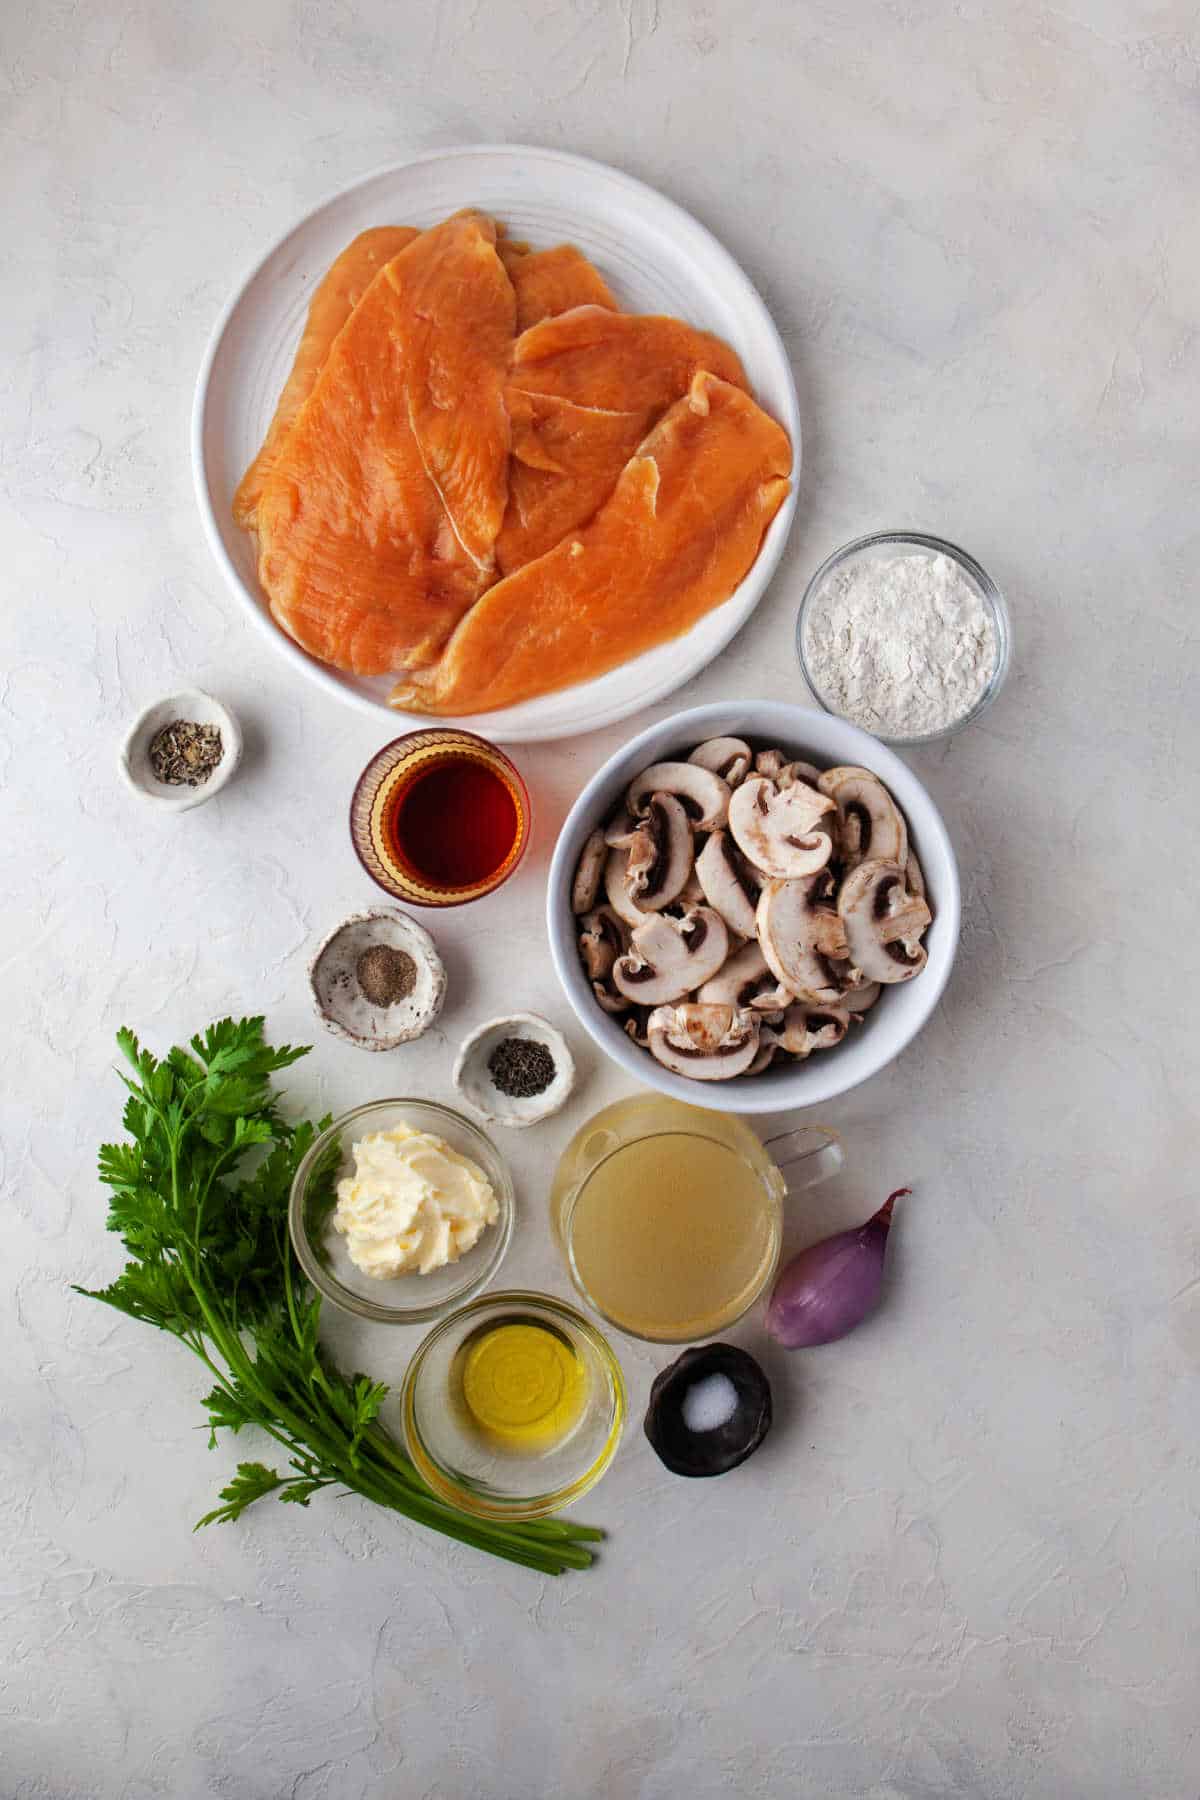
(808,1155)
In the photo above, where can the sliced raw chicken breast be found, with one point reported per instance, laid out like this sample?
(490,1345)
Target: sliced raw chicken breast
(623,362)
(377,524)
(336,297)
(683,525)
(552,281)
(585,388)
(566,460)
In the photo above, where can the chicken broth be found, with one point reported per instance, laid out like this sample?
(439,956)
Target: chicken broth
(673,1235)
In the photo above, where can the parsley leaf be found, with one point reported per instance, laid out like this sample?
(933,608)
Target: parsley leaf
(199,1197)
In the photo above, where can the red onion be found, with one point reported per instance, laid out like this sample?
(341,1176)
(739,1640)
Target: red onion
(831,1287)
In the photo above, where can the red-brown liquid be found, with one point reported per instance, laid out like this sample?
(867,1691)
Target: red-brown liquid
(455,824)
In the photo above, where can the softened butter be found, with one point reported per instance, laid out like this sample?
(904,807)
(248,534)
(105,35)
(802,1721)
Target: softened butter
(413,1204)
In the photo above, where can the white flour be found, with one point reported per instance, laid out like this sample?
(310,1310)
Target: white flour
(903,647)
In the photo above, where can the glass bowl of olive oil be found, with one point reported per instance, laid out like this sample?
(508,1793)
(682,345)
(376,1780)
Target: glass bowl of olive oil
(513,1406)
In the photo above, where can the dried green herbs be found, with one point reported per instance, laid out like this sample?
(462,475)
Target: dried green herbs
(184,754)
(521,1067)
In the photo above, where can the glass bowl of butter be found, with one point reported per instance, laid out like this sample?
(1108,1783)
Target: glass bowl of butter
(400,1210)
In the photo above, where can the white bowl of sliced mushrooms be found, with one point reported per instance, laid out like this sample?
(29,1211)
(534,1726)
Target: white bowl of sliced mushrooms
(753,906)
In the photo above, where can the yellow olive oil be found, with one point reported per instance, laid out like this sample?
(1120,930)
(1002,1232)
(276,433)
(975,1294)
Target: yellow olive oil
(521,1386)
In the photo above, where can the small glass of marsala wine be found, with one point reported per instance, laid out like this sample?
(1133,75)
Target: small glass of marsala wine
(439,818)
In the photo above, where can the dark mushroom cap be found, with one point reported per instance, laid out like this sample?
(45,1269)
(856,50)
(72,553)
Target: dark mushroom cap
(698,1453)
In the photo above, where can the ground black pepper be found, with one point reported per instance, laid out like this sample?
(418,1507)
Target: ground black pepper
(184,754)
(385,975)
(521,1067)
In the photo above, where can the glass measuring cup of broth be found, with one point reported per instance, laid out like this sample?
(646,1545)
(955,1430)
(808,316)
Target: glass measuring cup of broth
(439,818)
(670,1217)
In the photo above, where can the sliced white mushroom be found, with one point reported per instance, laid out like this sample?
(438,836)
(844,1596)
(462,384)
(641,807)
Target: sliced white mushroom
(859,1000)
(707,1043)
(808,1028)
(750,873)
(803,940)
(616,888)
(738,977)
(741,909)
(589,873)
(806,806)
(660,854)
(620,830)
(637,1026)
(777,827)
(798,771)
(764,1056)
(693,894)
(884,922)
(870,824)
(670,957)
(728,757)
(702,794)
(773,997)
(746,981)
(719,872)
(604,936)
(776,767)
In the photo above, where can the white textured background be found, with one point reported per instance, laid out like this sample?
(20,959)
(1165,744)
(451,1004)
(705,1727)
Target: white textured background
(966,1562)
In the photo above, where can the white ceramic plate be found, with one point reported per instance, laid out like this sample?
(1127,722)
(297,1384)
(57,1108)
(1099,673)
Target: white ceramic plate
(655,256)
(901,1010)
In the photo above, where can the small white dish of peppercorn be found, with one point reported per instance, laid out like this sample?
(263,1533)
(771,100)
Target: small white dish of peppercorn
(181,751)
(515,1070)
(377,980)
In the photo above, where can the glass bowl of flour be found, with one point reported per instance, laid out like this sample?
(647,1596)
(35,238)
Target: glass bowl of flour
(905,635)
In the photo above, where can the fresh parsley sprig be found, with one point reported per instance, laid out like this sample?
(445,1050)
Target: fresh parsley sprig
(210,1263)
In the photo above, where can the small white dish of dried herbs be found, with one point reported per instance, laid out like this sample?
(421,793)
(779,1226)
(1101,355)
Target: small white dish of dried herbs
(515,1070)
(181,751)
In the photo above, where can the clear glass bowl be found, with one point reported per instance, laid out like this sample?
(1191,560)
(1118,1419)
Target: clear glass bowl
(877,548)
(493,1484)
(321,1251)
(381,787)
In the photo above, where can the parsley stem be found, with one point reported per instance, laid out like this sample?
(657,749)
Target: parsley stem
(211,1263)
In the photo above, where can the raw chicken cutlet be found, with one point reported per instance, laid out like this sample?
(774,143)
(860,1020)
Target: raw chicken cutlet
(336,297)
(544,282)
(459,313)
(684,523)
(552,281)
(623,362)
(378,522)
(584,389)
(565,464)
(463,410)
